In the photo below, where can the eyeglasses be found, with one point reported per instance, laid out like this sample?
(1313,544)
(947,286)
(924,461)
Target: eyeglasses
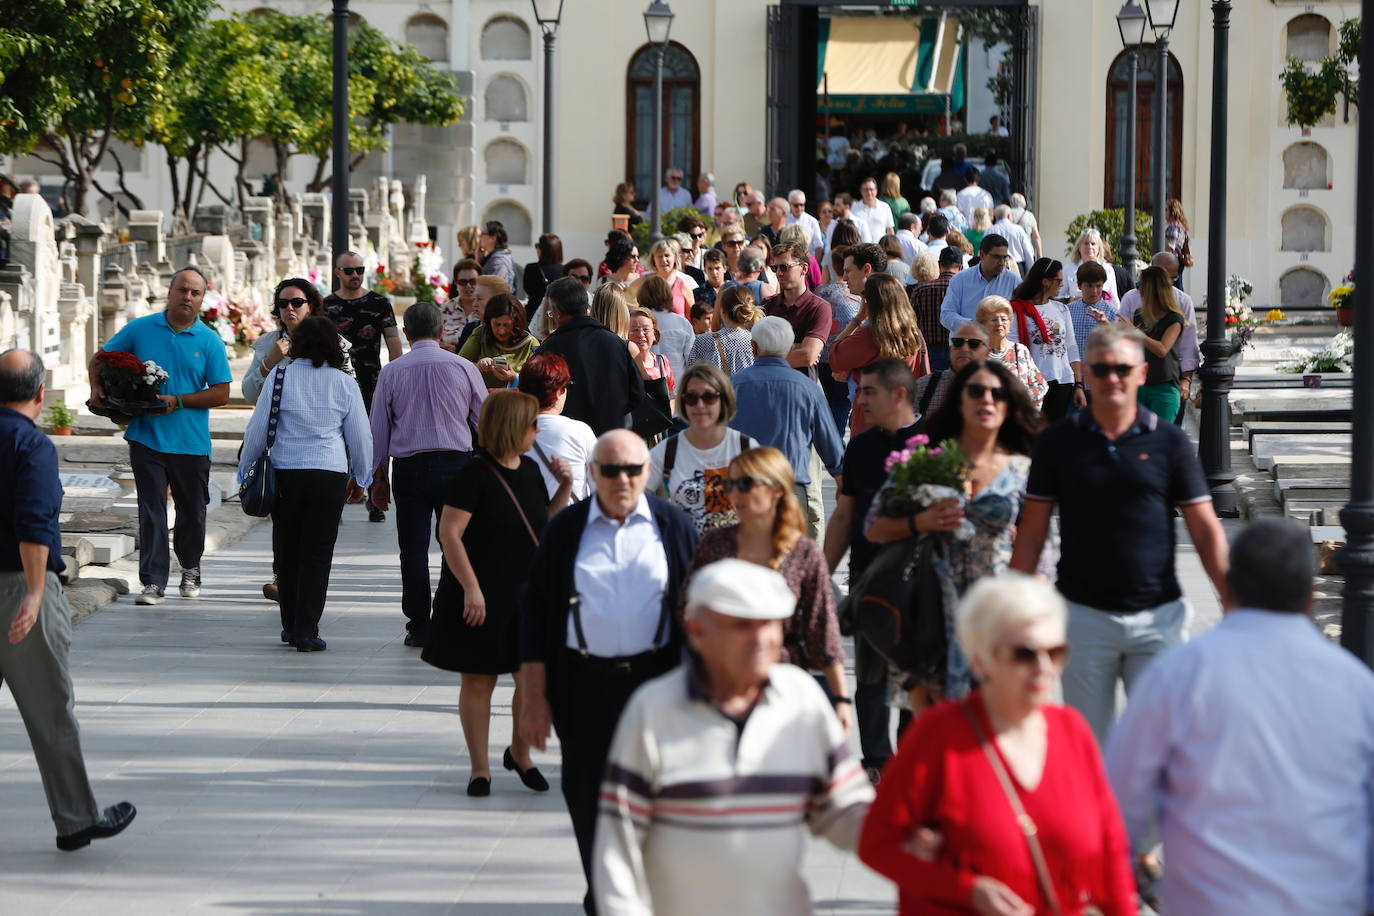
(1026,655)
(585,279)
(472,282)
(977,390)
(698,235)
(734,243)
(1102,370)
(693,398)
(292,303)
(958,343)
(612,471)
(785,265)
(356,271)
(743,484)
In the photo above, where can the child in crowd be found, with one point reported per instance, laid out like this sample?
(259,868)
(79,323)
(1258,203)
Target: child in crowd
(1093,305)
(701,317)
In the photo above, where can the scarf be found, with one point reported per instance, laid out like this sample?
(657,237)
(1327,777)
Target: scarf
(1021,308)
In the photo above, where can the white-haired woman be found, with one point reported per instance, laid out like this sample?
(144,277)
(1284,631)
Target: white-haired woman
(1089,247)
(952,822)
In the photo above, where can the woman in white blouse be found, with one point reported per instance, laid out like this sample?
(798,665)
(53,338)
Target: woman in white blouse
(1089,247)
(322,457)
(1044,325)
(546,378)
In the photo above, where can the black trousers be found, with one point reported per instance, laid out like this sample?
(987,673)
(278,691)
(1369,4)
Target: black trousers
(1058,401)
(419,486)
(585,718)
(189,478)
(305,524)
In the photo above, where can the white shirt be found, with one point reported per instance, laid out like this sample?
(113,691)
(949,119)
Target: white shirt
(569,439)
(671,200)
(1018,243)
(971,198)
(911,246)
(812,227)
(878,217)
(1253,748)
(620,577)
(1052,357)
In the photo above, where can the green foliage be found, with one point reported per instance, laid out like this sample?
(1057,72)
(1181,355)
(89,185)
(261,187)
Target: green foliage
(1312,87)
(1112,225)
(667,225)
(59,417)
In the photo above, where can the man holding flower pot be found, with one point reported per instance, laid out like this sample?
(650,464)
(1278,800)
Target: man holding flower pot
(173,448)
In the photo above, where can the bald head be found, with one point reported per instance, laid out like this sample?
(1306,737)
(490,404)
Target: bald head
(620,445)
(1168,261)
(21,382)
(618,463)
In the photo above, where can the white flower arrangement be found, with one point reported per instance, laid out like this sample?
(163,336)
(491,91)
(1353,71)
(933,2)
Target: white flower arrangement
(1336,356)
(154,375)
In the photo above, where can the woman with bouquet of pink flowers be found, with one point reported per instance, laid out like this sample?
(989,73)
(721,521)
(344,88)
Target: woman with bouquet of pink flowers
(984,429)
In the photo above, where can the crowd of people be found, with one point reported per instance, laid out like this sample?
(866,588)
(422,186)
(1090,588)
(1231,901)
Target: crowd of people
(625,476)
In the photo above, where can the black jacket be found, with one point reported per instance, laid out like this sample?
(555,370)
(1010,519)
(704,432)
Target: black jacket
(606,385)
(544,605)
(537,278)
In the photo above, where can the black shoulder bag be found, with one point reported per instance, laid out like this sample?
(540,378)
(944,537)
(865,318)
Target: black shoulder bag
(258,492)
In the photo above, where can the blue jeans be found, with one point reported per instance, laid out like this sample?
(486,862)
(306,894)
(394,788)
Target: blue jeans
(419,486)
(837,396)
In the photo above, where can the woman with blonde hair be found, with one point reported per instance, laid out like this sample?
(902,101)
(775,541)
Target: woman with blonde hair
(728,348)
(610,308)
(1162,323)
(982,222)
(995,315)
(489,530)
(1089,247)
(468,238)
(957,239)
(885,327)
(892,195)
(665,262)
(771,532)
(926,267)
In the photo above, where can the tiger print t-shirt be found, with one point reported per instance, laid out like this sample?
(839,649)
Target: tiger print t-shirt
(696,480)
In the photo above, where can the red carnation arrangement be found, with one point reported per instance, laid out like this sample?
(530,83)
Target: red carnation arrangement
(130,385)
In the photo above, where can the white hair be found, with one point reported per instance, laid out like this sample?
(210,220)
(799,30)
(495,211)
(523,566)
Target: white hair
(1018,201)
(796,196)
(710,179)
(772,335)
(948,197)
(928,205)
(1003,602)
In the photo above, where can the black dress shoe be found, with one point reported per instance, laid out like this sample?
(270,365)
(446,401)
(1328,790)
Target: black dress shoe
(286,637)
(375,515)
(416,641)
(532,778)
(479,787)
(310,644)
(112,820)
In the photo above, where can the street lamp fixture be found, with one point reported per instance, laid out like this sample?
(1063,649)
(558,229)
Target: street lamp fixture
(1131,22)
(1162,14)
(658,23)
(548,13)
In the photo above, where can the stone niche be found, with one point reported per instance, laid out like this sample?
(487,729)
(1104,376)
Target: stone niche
(1305,229)
(1306,166)
(1302,286)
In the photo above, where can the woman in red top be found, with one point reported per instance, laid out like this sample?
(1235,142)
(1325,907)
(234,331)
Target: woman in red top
(885,327)
(943,827)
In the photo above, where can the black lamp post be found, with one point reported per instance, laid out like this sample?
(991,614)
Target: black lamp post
(548,13)
(658,22)
(1357,557)
(1218,371)
(1162,14)
(338,209)
(1131,22)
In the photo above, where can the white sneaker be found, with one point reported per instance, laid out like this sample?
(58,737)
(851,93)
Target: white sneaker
(152,594)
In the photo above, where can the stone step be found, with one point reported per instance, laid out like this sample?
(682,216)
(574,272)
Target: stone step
(109,547)
(1253,428)
(1303,509)
(225,423)
(1266,449)
(1327,533)
(1311,466)
(1286,491)
(95,451)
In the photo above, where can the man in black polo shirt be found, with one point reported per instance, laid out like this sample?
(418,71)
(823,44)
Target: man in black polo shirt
(1117,472)
(886,395)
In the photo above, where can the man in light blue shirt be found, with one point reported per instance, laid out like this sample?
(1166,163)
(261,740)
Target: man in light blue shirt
(781,407)
(173,448)
(1252,750)
(971,286)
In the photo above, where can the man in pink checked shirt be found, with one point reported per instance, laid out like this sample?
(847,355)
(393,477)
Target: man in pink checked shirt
(423,414)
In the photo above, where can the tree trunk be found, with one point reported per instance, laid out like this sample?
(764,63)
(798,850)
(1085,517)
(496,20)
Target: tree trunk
(319,182)
(176,178)
(282,155)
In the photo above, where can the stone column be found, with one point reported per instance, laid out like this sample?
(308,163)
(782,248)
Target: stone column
(146,226)
(33,244)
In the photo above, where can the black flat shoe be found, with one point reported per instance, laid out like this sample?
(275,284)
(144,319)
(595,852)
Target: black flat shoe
(479,786)
(532,778)
(310,644)
(286,637)
(417,642)
(112,821)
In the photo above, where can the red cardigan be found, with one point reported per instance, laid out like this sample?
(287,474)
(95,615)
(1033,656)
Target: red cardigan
(858,350)
(941,778)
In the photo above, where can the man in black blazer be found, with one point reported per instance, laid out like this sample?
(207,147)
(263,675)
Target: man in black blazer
(606,384)
(598,618)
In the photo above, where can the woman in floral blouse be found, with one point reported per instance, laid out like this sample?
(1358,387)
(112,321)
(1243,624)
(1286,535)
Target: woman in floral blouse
(763,492)
(994,313)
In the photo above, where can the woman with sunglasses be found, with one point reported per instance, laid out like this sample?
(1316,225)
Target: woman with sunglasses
(689,467)
(488,531)
(1162,323)
(884,327)
(995,314)
(999,803)
(989,413)
(501,346)
(622,264)
(1045,325)
(763,493)
(293,301)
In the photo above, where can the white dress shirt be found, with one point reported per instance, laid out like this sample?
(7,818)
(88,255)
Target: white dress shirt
(1253,748)
(911,246)
(970,198)
(620,577)
(878,217)
(1189,352)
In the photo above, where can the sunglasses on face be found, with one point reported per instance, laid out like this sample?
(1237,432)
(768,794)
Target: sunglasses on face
(693,398)
(292,303)
(958,343)
(1025,655)
(355,271)
(1102,370)
(735,243)
(977,390)
(472,282)
(698,235)
(611,471)
(582,278)
(743,484)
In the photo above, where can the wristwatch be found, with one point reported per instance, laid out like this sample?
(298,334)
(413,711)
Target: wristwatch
(838,700)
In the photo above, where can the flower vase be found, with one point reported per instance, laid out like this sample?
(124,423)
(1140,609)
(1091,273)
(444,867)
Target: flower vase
(1345,317)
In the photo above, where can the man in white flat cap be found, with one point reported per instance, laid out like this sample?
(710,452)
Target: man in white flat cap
(718,764)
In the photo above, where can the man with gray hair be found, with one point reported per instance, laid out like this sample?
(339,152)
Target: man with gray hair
(1022,217)
(796,213)
(779,406)
(754,217)
(1189,353)
(1116,468)
(706,194)
(1251,750)
(1018,242)
(34,613)
(424,410)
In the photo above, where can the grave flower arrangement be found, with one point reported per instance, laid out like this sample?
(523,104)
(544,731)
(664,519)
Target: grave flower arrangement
(236,326)
(1336,356)
(131,387)
(921,475)
(1343,296)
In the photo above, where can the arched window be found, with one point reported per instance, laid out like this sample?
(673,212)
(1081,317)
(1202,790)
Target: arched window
(505,100)
(1306,166)
(1308,37)
(507,162)
(1305,229)
(505,38)
(1118,112)
(1302,286)
(428,35)
(681,118)
(514,217)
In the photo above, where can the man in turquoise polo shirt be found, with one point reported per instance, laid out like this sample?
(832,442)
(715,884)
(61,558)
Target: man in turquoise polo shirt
(173,448)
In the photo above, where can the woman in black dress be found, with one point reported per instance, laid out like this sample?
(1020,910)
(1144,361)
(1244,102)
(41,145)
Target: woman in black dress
(489,529)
